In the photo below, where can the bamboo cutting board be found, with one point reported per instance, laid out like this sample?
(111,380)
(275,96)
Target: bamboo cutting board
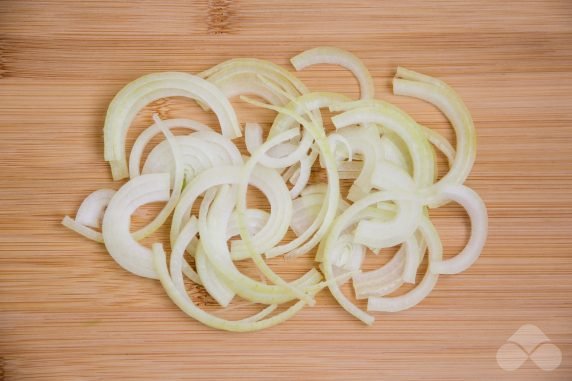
(68,312)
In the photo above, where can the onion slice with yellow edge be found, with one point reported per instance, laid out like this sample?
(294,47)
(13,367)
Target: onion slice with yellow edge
(386,156)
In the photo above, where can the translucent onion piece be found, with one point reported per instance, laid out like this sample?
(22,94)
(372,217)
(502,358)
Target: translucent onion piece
(382,281)
(186,236)
(83,230)
(432,90)
(234,85)
(282,150)
(198,151)
(305,210)
(256,219)
(90,212)
(395,151)
(381,234)
(397,121)
(124,249)
(391,158)
(309,104)
(477,212)
(341,223)
(241,210)
(415,296)
(441,143)
(213,283)
(253,136)
(366,142)
(246,172)
(318,229)
(146,136)
(412,259)
(217,214)
(144,90)
(216,248)
(337,140)
(162,216)
(266,179)
(307,207)
(347,255)
(303,174)
(241,66)
(184,302)
(336,56)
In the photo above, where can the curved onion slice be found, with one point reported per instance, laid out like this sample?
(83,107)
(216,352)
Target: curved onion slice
(256,219)
(415,296)
(390,160)
(83,230)
(312,237)
(400,123)
(349,217)
(126,251)
(234,85)
(268,182)
(160,218)
(213,283)
(366,142)
(184,302)
(240,66)
(198,151)
(241,210)
(331,55)
(432,90)
(144,90)
(90,212)
(146,136)
(477,212)
(390,233)
(382,281)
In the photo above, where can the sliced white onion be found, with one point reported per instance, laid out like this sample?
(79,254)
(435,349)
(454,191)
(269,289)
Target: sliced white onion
(379,234)
(366,142)
(336,56)
(83,230)
(184,302)
(146,136)
(397,121)
(415,296)
(382,281)
(437,92)
(391,158)
(346,219)
(90,212)
(253,136)
(198,151)
(318,229)
(144,90)
(210,218)
(257,67)
(120,244)
(211,281)
(441,143)
(477,212)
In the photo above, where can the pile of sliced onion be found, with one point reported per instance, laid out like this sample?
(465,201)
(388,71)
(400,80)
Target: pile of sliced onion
(390,157)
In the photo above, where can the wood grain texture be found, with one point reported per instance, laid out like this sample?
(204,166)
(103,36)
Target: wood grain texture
(68,312)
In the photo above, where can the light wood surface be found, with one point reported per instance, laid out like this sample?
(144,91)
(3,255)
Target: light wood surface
(68,312)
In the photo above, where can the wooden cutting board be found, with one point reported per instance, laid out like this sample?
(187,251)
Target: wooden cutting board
(68,312)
